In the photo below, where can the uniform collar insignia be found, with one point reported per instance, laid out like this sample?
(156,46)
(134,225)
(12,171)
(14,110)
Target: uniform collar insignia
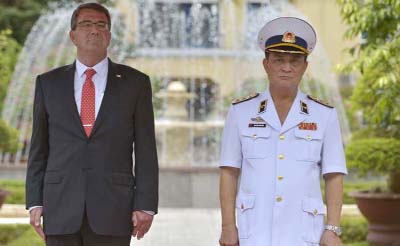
(303,107)
(262,107)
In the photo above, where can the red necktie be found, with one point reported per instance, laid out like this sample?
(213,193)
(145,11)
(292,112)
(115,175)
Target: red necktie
(88,102)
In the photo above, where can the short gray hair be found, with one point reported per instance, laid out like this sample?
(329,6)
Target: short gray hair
(95,6)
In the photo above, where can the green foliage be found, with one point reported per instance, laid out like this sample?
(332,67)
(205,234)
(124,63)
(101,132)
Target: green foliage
(29,237)
(20,16)
(9,50)
(354,186)
(157,86)
(355,230)
(377,156)
(17,189)
(376,60)
(8,138)
(10,232)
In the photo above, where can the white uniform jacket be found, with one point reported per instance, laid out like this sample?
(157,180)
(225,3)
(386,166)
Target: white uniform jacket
(279,201)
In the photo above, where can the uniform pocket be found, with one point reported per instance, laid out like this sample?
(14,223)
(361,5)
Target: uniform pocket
(313,219)
(256,142)
(308,145)
(245,214)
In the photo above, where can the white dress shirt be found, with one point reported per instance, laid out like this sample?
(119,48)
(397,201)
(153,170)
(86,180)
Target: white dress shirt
(99,80)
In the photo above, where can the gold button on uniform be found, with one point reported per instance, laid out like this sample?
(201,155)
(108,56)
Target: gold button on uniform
(315,212)
(282,137)
(279,199)
(280,157)
(280,177)
(254,135)
(308,137)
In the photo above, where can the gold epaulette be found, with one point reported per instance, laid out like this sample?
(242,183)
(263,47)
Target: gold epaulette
(320,101)
(246,98)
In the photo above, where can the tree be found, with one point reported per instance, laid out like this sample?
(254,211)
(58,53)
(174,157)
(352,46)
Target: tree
(8,138)
(9,50)
(376,60)
(20,16)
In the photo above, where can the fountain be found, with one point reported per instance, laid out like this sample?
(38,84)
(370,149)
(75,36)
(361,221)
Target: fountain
(209,46)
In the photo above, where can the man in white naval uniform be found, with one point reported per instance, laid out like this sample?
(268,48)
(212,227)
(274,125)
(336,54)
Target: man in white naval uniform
(278,144)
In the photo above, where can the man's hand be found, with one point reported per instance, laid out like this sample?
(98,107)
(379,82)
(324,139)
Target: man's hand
(35,220)
(141,223)
(229,237)
(329,238)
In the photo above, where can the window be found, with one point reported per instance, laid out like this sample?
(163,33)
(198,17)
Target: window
(178,25)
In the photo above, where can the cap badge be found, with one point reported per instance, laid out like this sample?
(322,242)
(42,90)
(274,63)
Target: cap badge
(289,37)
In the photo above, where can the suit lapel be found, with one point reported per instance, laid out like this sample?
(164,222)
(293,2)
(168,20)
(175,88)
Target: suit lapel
(105,103)
(70,94)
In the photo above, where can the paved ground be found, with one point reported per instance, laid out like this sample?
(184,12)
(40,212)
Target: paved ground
(171,227)
(178,227)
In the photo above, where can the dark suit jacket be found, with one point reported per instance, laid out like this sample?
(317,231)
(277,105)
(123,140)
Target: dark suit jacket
(68,171)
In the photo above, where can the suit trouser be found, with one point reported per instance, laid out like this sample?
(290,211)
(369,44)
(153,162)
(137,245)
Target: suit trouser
(86,237)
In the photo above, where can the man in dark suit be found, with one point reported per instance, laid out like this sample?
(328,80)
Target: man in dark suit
(86,118)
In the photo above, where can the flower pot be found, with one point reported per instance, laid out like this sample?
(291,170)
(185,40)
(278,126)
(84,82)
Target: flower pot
(3,194)
(382,211)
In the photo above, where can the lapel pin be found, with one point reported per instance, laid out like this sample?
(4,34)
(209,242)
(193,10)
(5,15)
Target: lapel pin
(304,107)
(118,75)
(262,107)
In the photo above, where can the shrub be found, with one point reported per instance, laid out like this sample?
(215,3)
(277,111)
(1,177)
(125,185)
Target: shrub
(355,229)
(8,138)
(376,156)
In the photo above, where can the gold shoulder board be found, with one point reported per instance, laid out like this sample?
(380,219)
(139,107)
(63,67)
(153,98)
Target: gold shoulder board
(320,101)
(246,98)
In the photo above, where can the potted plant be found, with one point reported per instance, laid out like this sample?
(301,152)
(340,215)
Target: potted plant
(379,156)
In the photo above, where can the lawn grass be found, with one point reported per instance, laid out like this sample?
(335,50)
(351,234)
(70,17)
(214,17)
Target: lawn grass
(29,237)
(17,189)
(10,232)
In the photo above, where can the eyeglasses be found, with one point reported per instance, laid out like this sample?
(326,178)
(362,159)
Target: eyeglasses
(87,25)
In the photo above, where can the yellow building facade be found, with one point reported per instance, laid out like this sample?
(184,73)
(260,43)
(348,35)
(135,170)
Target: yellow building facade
(232,62)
